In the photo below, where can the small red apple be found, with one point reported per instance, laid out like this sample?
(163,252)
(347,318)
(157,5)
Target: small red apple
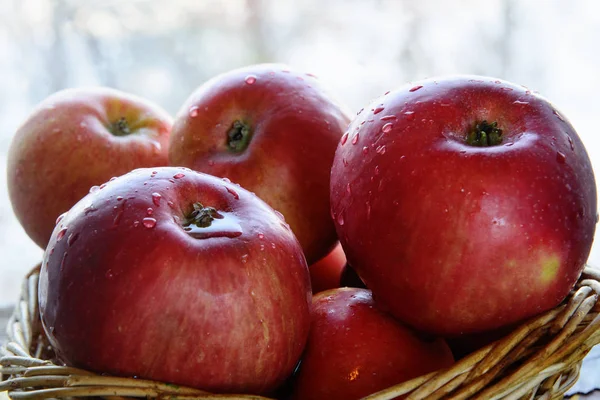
(73,140)
(354,349)
(177,276)
(274,131)
(326,273)
(464,203)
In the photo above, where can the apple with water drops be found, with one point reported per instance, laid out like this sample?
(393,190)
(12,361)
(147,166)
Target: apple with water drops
(274,131)
(177,276)
(473,208)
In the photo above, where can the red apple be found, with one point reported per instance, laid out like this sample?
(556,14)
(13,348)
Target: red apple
(354,349)
(274,131)
(177,276)
(464,203)
(326,273)
(73,140)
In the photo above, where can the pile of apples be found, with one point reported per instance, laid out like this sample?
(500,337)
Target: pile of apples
(183,250)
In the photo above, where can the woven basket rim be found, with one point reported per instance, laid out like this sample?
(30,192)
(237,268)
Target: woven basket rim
(541,359)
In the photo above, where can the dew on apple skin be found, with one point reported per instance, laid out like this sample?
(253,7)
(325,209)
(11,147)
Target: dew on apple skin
(365,149)
(170,204)
(245,258)
(61,234)
(193,112)
(519,102)
(410,115)
(178,175)
(340,219)
(72,238)
(119,198)
(571,144)
(381,149)
(109,274)
(261,235)
(415,88)
(348,189)
(389,118)
(94,189)
(149,211)
(60,218)
(344,138)
(355,139)
(136,223)
(262,247)
(558,115)
(232,192)
(378,109)
(560,157)
(149,222)
(156,199)
(250,79)
(387,127)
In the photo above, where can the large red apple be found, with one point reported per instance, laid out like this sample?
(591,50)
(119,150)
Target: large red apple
(73,140)
(274,131)
(464,203)
(354,349)
(177,276)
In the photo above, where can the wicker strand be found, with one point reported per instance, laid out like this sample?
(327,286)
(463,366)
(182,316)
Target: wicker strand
(540,360)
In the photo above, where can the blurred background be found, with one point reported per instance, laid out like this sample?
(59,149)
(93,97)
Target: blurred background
(163,50)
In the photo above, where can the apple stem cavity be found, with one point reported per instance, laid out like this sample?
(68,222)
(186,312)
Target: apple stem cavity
(201,217)
(120,127)
(238,137)
(485,134)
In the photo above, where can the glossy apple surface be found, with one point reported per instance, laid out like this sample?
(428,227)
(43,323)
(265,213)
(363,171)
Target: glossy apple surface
(355,350)
(73,140)
(327,272)
(464,203)
(274,131)
(177,276)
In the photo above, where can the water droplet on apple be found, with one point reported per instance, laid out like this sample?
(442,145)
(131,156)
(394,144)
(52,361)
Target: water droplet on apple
(519,102)
(273,245)
(509,144)
(72,238)
(149,222)
(193,112)
(109,274)
(348,189)
(179,175)
(380,149)
(232,192)
(62,262)
(378,109)
(355,139)
(340,219)
(119,198)
(61,234)
(261,236)
(571,144)
(345,162)
(60,218)
(94,189)
(136,223)
(555,112)
(250,79)
(280,215)
(262,247)
(506,89)
(560,157)
(387,127)
(156,199)
(344,138)
(170,204)
(149,211)
(389,118)
(376,171)
(415,88)
(245,258)
(365,150)
(410,115)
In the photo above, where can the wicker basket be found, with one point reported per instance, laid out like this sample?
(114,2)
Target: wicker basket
(539,360)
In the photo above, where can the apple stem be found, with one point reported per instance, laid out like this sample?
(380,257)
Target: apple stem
(120,127)
(238,137)
(485,134)
(201,216)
